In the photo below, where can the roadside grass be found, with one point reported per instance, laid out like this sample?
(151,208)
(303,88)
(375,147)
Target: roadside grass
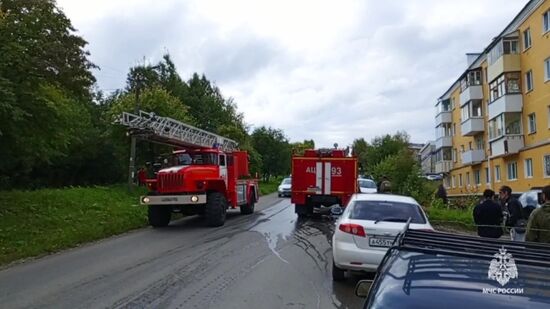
(455,219)
(34,223)
(267,187)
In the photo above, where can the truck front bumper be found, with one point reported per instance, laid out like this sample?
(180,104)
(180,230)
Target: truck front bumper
(191,199)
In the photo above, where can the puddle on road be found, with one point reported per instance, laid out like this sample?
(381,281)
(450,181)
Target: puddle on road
(278,224)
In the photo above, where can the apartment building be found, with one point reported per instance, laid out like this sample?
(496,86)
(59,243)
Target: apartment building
(493,123)
(427,158)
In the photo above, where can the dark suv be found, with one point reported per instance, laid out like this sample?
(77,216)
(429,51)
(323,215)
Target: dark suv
(439,270)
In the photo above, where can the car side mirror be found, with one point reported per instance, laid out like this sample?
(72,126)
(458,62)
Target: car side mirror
(336,210)
(362,288)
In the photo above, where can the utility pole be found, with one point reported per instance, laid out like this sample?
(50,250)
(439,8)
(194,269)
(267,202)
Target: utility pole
(132,165)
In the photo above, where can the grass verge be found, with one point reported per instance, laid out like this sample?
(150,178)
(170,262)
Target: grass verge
(459,219)
(267,187)
(33,223)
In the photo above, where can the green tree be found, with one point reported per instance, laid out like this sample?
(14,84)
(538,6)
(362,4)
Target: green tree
(274,149)
(360,148)
(45,81)
(299,148)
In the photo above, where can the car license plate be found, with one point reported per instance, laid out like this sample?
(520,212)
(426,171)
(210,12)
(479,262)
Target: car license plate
(381,241)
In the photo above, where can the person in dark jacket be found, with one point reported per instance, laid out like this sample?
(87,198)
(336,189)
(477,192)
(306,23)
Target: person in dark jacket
(515,219)
(442,193)
(488,216)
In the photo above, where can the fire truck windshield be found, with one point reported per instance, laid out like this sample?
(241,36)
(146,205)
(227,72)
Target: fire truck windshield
(195,159)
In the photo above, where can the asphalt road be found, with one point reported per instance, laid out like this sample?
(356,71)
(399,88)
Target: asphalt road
(265,260)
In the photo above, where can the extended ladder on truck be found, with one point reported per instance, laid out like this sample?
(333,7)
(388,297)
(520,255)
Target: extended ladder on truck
(207,177)
(165,130)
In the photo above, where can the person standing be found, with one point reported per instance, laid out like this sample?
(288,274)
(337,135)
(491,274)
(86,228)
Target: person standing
(442,193)
(512,207)
(488,216)
(538,227)
(385,185)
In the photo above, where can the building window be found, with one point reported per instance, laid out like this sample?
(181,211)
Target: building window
(497,173)
(548,117)
(526,38)
(512,171)
(506,123)
(528,168)
(453,181)
(479,142)
(467,178)
(532,123)
(487,179)
(454,155)
(547,69)
(476,108)
(477,177)
(504,47)
(507,83)
(460,180)
(546,164)
(546,21)
(529,81)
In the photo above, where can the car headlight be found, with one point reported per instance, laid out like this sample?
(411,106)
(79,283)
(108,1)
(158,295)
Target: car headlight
(280,188)
(146,200)
(194,198)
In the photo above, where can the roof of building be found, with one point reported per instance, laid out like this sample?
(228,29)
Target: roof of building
(512,26)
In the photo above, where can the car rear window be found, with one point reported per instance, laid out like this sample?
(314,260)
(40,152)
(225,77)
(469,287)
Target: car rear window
(367,184)
(386,211)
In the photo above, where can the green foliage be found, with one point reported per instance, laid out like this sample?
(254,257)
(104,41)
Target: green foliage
(274,149)
(299,148)
(45,82)
(267,187)
(43,221)
(360,148)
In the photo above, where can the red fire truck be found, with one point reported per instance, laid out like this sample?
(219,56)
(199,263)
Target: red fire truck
(322,178)
(205,176)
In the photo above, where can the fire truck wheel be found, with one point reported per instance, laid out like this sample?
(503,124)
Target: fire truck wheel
(215,210)
(159,216)
(248,209)
(302,210)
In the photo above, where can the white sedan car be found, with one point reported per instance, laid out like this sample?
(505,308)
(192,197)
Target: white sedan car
(367,185)
(368,227)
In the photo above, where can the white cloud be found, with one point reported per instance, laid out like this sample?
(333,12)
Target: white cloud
(328,70)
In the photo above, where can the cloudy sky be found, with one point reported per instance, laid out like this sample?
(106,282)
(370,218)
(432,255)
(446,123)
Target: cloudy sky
(328,70)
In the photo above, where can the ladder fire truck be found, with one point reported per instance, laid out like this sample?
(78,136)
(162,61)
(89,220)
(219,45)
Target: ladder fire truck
(207,174)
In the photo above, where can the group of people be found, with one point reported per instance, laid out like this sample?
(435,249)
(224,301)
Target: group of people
(524,223)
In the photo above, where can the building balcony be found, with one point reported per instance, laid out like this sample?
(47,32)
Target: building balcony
(445,141)
(506,145)
(506,63)
(472,126)
(473,157)
(473,92)
(443,166)
(508,103)
(443,117)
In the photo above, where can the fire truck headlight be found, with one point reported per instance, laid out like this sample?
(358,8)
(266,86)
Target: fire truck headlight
(194,198)
(146,200)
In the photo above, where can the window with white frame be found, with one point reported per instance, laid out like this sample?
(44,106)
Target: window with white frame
(548,117)
(460,180)
(512,171)
(487,179)
(532,123)
(528,168)
(526,38)
(467,178)
(547,69)
(453,181)
(546,21)
(497,173)
(546,165)
(529,81)
(477,177)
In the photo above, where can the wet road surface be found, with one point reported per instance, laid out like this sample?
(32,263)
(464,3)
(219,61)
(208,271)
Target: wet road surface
(267,260)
